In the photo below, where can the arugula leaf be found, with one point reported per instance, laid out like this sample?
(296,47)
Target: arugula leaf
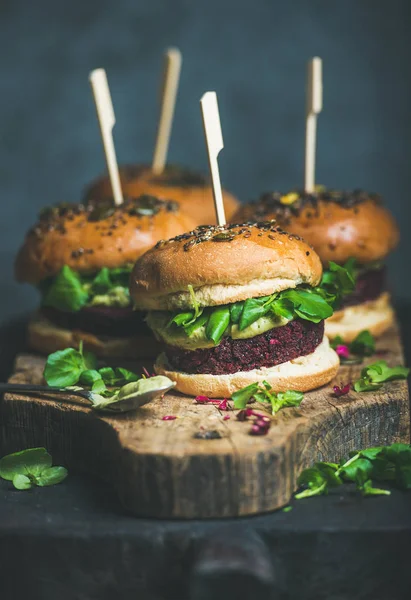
(64,367)
(217,324)
(66,292)
(338,281)
(363,344)
(241,397)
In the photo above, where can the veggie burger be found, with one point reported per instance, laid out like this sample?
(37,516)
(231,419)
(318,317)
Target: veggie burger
(352,229)
(80,257)
(235,304)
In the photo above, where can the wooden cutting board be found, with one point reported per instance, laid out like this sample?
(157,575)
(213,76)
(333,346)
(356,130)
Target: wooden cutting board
(200,465)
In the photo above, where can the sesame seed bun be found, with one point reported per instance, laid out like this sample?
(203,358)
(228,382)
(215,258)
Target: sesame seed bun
(46,337)
(192,190)
(303,374)
(224,265)
(375,315)
(89,237)
(339,225)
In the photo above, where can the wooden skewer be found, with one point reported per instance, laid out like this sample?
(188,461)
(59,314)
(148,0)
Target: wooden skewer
(168,101)
(313,108)
(107,120)
(214,142)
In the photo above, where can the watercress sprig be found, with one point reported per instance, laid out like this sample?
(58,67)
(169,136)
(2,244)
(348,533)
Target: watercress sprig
(386,464)
(31,467)
(374,375)
(262,392)
(70,291)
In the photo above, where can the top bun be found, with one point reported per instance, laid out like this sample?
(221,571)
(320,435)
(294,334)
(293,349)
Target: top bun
(89,237)
(192,190)
(223,264)
(339,225)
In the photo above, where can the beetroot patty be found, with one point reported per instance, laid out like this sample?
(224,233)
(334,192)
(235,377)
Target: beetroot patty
(369,285)
(101,320)
(273,347)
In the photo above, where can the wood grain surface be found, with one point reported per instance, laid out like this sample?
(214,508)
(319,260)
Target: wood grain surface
(165,469)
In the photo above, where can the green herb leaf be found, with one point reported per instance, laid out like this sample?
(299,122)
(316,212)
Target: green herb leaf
(367,489)
(235,312)
(193,326)
(64,367)
(365,385)
(70,291)
(194,301)
(89,377)
(26,462)
(358,471)
(217,324)
(317,480)
(126,376)
(108,375)
(379,372)
(101,283)
(243,396)
(286,399)
(308,305)
(22,482)
(253,309)
(98,386)
(52,476)
(66,292)
(181,319)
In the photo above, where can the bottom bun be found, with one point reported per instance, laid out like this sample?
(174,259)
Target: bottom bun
(45,337)
(375,315)
(301,374)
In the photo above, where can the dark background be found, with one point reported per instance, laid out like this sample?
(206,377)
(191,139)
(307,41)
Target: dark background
(252,52)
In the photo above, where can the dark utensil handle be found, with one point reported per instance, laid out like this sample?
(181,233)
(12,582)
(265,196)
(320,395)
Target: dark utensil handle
(42,389)
(229,565)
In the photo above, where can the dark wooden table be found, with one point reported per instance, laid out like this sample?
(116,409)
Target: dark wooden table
(74,541)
